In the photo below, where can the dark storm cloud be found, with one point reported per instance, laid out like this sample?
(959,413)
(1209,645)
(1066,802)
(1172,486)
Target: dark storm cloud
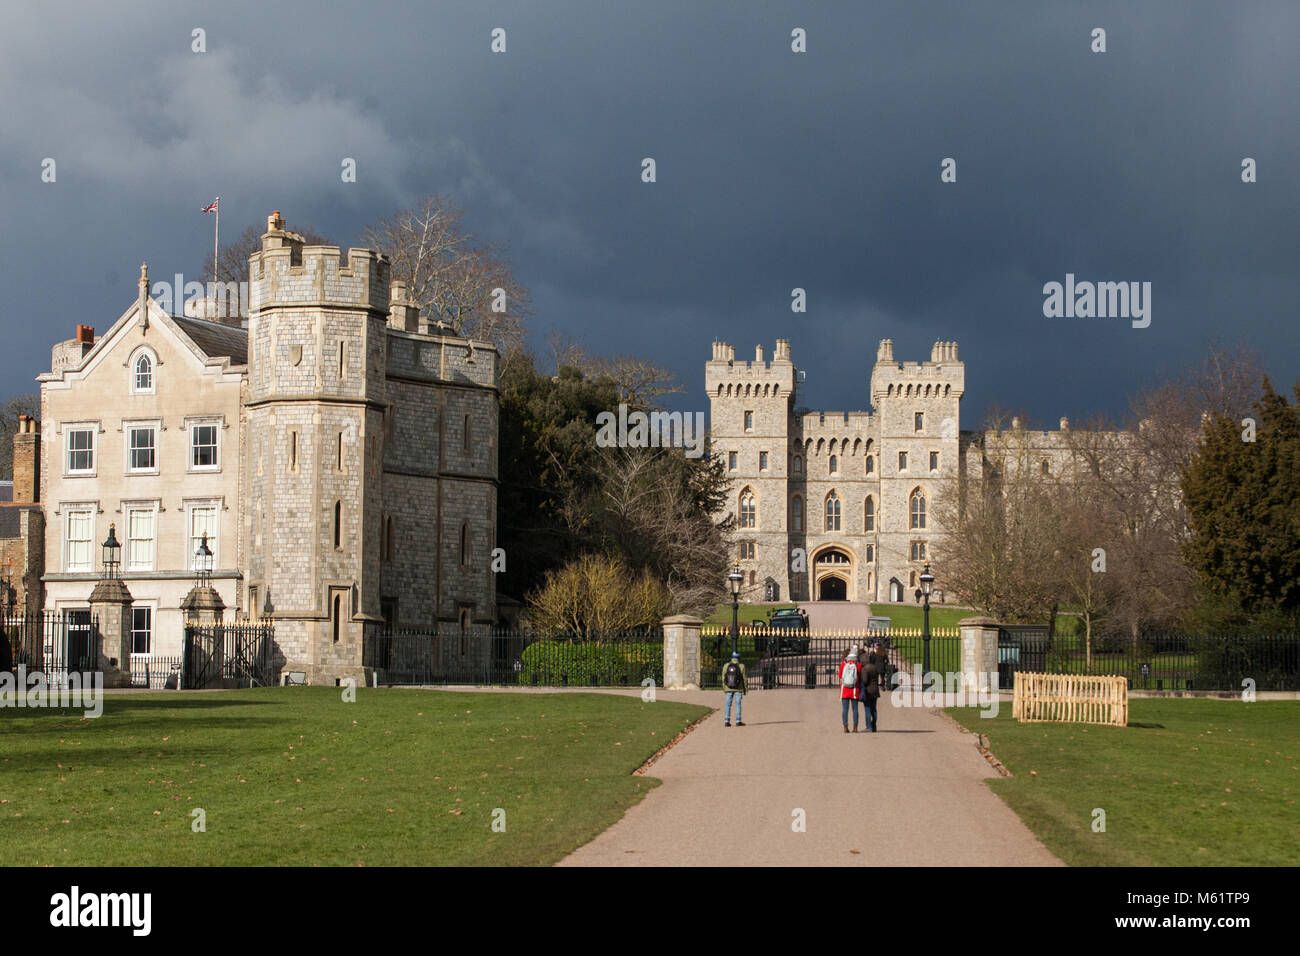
(775,170)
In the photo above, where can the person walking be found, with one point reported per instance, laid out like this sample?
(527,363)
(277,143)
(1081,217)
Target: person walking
(734,683)
(850,687)
(871,690)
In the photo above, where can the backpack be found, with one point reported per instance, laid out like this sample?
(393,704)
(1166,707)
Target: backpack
(731,678)
(850,676)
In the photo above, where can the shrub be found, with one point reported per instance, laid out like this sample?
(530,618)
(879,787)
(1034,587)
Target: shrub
(592,664)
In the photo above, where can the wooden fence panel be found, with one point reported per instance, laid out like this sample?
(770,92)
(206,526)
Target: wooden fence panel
(1071,698)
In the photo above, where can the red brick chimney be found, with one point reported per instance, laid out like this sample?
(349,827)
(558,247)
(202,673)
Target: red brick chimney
(27,461)
(86,333)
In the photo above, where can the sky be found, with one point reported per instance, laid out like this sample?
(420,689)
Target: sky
(774,170)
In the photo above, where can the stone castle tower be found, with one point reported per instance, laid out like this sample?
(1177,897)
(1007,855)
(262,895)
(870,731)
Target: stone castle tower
(315,413)
(836,505)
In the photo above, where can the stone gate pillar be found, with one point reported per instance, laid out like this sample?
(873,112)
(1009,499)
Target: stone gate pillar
(110,607)
(682,652)
(979,653)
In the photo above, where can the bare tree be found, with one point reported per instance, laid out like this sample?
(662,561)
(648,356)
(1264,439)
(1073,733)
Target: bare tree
(455,278)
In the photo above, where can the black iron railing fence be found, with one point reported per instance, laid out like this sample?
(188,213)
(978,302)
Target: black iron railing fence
(53,642)
(1161,661)
(612,659)
(239,654)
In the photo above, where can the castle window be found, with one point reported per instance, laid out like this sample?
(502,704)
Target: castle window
(390,530)
(467,436)
(762,461)
(917,509)
(336,613)
(731,460)
(796,514)
(80,526)
(798,465)
(870,522)
(934,461)
(144,374)
(902,461)
(203,520)
(203,447)
(343,362)
(338,525)
(142,448)
(293,449)
(871,464)
(1047,467)
(749,421)
(918,422)
(140,538)
(748,510)
(81,451)
(918,550)
(746,550)
(464,545)
(141,630)
(340,453)
(871,556)
(835,465)
(832,512)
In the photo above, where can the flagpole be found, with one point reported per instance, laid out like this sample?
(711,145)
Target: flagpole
(216,235)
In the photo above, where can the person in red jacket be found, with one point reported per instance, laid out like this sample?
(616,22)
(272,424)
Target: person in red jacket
(850,687)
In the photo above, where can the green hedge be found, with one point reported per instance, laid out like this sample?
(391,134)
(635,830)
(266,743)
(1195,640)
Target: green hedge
(589,664)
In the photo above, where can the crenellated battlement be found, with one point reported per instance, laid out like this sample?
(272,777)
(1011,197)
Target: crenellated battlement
(725,377)
(943,376)
(813,424)
(287,272)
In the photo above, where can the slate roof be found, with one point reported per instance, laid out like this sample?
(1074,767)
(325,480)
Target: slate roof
(216,339)
(10,518)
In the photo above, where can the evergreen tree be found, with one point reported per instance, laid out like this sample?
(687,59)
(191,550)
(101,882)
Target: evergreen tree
(1243,502)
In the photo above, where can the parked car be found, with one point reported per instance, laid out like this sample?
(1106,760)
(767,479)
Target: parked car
(788,631)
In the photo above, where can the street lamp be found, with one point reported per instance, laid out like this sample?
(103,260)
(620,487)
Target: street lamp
(203,563)
(927,582)
(735,578)
(112,554)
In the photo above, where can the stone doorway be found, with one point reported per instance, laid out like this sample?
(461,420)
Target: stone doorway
(833,589)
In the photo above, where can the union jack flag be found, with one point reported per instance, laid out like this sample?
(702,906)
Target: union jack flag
(213,207)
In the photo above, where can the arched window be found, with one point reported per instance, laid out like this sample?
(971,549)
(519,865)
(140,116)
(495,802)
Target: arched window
(796,514)
(748,510)
(871,464)
(835,465)
(832,512)
(1047,467)
(871,557)
(869,522)
(917,509)
(798,465)
(337,613)
(144,373)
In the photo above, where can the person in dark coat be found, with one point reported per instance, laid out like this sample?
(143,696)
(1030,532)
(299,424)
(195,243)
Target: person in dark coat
(871,690)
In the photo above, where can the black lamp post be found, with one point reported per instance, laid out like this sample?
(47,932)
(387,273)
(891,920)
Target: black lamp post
(735,578)
(927,582)
(112,554)
(203,563)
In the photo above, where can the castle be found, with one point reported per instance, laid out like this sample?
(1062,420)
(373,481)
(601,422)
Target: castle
(338,455)
(842,505)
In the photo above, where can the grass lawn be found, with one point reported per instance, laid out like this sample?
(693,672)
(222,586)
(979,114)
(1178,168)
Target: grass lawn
(1189,782)
(294,776)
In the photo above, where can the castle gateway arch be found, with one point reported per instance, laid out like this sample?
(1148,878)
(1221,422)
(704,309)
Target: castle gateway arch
(833,573)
